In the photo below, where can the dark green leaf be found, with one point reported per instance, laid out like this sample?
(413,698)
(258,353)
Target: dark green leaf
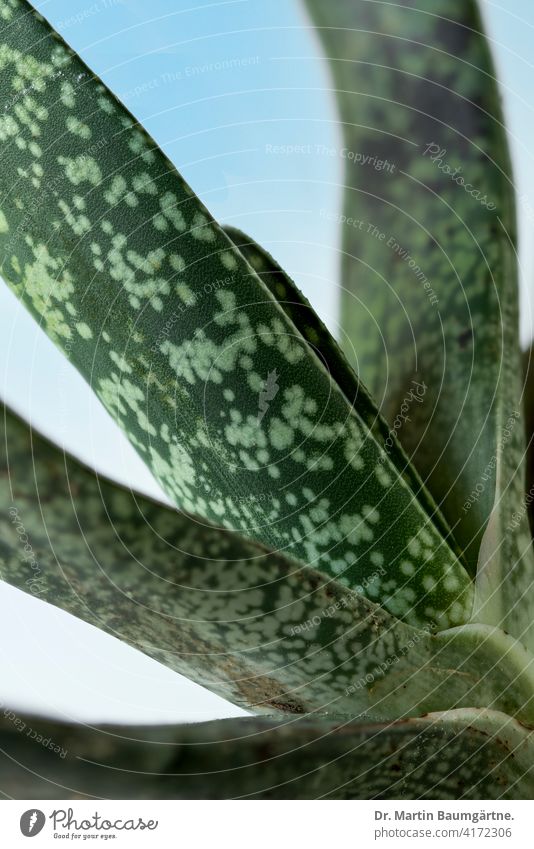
(213,384)
(429,267)
(460,755)
(249,624)
(303,316)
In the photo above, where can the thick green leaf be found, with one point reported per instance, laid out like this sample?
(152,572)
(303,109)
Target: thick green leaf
(249,624)
(213,384)
(429,267)
(458,755)
(303,316)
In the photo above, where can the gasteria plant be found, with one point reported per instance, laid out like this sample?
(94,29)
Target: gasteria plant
(361,576)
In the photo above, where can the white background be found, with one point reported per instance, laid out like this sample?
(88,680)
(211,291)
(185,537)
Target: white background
(237,824)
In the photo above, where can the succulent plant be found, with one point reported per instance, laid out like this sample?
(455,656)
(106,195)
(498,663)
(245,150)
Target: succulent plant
(352,564)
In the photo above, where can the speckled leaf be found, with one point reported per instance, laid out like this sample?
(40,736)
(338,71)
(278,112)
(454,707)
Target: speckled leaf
(213,384)
(304,317)
(429,267)
(460,755)
(249,624)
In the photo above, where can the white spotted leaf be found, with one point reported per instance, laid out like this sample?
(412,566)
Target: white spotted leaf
(429,268)
(212,382)
(250,624)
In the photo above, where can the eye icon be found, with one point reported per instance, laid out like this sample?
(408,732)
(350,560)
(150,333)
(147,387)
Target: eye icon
(32,822)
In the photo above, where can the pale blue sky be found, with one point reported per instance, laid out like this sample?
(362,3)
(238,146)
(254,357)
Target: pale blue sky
(216,84)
